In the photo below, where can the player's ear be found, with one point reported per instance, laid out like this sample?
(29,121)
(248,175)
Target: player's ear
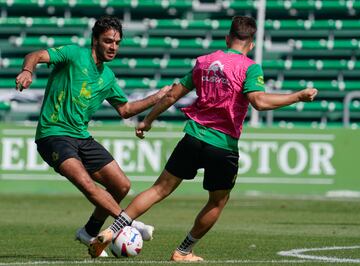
(94,41)
(252,45)
(228,41)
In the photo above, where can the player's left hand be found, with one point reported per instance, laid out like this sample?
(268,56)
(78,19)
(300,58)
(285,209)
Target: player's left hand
(308,94)
(140,128)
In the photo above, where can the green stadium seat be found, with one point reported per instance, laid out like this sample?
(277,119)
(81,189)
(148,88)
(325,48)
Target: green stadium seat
(45,41)
(189,62)
(332,85)
(126,84)
(163,37)
(345,44)
(83,22)
(270,24)
(15,63)
(144,83)
(151,63)
(135,42)
(311,64)
(5,106)
(323,106)
(272,5)
(143,4)
(8,83)
(355,106)
(300,24)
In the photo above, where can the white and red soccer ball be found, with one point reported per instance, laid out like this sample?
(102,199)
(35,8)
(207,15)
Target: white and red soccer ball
(127,242)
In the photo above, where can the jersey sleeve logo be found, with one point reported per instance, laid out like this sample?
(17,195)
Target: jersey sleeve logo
(260,81)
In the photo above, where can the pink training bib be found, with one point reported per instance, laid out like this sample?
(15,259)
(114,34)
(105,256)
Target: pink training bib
(221,105)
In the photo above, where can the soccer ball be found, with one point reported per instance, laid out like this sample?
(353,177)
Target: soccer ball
(127,242)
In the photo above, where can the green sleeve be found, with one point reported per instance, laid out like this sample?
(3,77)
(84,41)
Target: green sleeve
(63,54)
(116,95)
(187,81)
(254,79)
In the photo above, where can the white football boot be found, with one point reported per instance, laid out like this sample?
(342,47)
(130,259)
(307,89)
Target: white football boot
(83,237)
(145,230)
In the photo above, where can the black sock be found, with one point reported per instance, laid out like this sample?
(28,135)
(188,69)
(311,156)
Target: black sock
(93,226)
(120,222)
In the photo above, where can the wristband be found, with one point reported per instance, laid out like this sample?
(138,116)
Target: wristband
(24,69)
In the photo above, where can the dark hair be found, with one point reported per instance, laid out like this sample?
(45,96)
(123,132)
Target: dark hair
(104,24)
(243,28)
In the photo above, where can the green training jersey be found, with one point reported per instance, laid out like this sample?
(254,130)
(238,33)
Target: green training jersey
(75,90)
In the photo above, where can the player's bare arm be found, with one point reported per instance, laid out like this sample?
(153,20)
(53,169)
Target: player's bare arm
(130,109)
(172,96)
(24,79)
(263,101)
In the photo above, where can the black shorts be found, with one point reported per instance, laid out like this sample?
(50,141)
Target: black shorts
(191,154)
(56,149)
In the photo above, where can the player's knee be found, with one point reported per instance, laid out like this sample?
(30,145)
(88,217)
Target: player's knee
(88,188)
(161,191)
(123,190)
(218,201)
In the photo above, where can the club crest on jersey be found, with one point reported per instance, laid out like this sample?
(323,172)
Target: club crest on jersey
(215,73)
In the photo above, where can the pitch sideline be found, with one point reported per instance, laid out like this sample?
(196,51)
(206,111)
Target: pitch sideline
(298,253)
(128,262)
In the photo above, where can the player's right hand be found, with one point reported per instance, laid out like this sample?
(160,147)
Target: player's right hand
(308,94)
(23,80)
(140,128)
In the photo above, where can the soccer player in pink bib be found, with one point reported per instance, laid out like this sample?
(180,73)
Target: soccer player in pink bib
(226,81)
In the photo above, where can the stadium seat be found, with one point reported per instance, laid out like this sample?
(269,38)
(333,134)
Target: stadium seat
(300,24)
(128,83)
(55,22)
(153,4)
(345,44)
(152,63)
(307,43)
(321,85)
(272,5)
(5,106)
(175,63)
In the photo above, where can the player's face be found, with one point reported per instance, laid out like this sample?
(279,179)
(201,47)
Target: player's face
(107,45)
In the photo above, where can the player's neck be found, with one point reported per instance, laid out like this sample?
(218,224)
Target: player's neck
(98,62)
(239,48)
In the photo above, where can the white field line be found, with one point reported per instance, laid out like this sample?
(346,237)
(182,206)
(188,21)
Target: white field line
(136,262)
(170,135)
(298,253)
(240,180)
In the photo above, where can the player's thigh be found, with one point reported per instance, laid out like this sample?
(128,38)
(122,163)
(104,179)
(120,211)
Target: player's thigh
(166,183)
(75,172)
(113,178)
(103,168)
(56,149)
(221,167)
(185,159)
(93,155)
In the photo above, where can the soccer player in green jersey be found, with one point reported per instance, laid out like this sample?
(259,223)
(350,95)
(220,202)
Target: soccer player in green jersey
(226,81)
(77,86)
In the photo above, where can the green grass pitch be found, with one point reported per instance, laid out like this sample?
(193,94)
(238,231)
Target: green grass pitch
(39,230)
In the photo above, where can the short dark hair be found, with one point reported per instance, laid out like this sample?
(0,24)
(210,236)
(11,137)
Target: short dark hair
(104,24)
(243,28)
